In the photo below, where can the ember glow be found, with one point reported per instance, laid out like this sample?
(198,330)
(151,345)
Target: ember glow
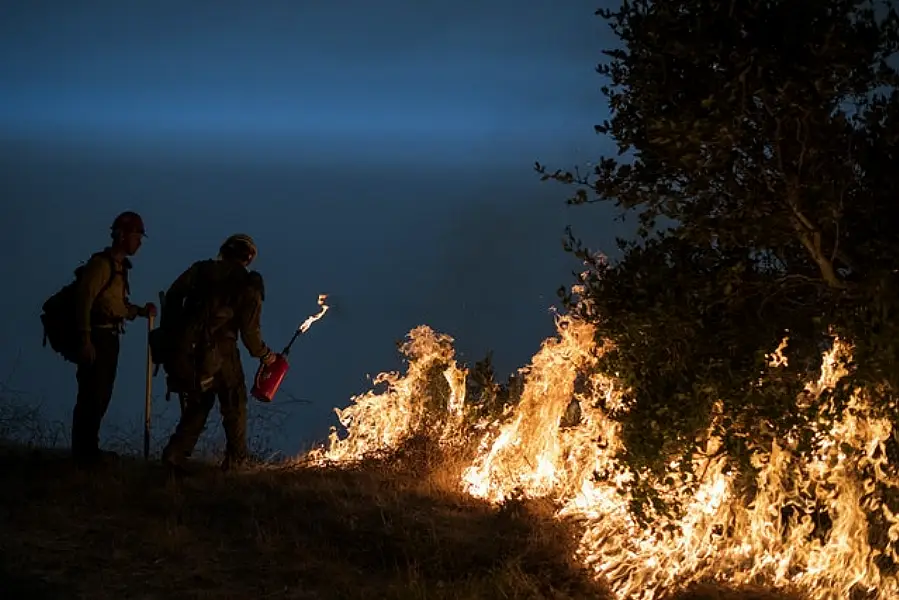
(720,536)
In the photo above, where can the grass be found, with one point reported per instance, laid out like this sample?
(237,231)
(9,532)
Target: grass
(130,531)
(394,528)
(373,531)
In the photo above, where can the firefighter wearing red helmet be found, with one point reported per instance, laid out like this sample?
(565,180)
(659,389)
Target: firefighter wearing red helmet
(102,306)
(129,222)
(206,309)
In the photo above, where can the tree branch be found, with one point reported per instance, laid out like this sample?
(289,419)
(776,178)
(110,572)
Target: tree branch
(807,232)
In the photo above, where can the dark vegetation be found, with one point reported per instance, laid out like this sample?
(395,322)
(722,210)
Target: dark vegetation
(757,156)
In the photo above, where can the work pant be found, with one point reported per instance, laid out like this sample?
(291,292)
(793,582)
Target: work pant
(95,386)
(231,390)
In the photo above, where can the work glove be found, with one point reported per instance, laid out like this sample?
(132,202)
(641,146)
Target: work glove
(147,310)
(268,358)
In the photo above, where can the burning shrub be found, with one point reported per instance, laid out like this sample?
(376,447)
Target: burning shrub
(761,134)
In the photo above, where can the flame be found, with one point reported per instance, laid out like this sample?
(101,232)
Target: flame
(304,327)
(719,536)
(377,422)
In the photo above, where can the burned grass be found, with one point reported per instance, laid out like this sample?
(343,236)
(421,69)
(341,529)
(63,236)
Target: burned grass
(130,531)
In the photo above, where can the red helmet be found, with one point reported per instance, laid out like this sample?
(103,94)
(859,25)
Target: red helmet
(129,222)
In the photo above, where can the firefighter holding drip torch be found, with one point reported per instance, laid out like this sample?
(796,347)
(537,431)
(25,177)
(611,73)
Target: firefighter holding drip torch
(206,309)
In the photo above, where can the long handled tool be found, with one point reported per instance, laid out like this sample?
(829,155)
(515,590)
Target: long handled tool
(161,307)
(148,397)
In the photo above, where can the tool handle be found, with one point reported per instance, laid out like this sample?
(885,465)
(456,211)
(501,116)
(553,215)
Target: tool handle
(148,397)
(286,350)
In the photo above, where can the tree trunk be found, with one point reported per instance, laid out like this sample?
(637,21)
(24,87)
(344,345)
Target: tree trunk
(810,236)
(812,243)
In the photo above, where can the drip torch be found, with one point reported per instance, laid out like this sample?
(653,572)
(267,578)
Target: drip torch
(269,377)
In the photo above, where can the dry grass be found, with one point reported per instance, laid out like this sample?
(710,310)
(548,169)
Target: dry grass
(383,529)
(392,527)
(132,532)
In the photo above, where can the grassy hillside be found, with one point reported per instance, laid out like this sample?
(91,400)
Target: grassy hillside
(382,530)
(132,532)
(396,528)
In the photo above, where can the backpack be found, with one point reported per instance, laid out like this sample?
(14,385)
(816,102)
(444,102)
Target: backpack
(58,314)
(187,346)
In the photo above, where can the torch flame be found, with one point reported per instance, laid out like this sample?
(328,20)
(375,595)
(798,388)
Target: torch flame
(312,319)
(775,538)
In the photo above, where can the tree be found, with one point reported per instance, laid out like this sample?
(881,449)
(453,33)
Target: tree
(765,133)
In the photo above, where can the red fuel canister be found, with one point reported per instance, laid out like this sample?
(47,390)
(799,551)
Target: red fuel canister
(268,379)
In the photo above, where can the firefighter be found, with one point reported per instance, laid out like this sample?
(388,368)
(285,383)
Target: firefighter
(101,307)
(240,295)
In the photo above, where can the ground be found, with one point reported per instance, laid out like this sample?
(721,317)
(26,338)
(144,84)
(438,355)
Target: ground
(378,531)
(131,531)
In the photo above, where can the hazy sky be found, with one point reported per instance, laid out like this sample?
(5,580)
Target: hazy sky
(379,152)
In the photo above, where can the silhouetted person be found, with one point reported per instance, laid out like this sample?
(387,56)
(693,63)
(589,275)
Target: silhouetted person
(101,308)
(207,308)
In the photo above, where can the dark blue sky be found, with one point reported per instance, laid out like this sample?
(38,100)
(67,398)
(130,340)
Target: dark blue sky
(379,152)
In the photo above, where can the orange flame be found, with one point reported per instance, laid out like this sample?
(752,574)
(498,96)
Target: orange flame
(718,537)
(304,327)
(382,421)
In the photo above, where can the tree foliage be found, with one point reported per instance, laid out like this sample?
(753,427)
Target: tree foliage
(762,134)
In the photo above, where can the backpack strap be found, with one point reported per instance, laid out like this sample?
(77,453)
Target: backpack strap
(254,281)
(112,271)
(79,271)
(112,274)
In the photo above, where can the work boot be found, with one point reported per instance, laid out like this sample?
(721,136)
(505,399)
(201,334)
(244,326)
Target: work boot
(234,463)
(173,463)
(108,456)
(174,468)
(85,461)
(94,458)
